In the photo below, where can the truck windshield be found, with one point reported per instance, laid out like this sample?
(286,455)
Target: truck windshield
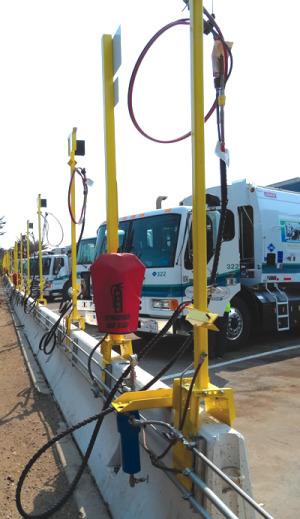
(152,239)
(101,244)
(86,251)
(34,266)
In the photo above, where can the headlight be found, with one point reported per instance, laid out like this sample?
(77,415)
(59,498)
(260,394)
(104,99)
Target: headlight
(164,304)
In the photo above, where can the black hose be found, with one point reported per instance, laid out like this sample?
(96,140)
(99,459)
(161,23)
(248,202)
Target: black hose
(67,495)
(224,201)
(91,356)
(51,334)
(175,357)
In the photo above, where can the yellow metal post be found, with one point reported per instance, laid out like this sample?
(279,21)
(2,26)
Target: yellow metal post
(199,201)
(217,402)
(111,177)
(199,234)
(40,300)
(16,262)
(11,264)
(21,263)
(28,261)
(74,317)
(110,148)
(4,261)
(7,263)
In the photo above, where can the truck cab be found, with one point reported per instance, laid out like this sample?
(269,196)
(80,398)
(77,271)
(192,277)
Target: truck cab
(55,274)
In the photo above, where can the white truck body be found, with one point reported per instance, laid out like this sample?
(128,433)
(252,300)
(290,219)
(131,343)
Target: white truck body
(258,270)
(55,273)
(56,269)
(160,240)
(85,257)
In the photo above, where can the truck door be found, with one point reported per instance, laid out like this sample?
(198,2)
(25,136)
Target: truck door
(60,273)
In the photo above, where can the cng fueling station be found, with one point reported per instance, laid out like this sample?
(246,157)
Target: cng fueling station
(160,451)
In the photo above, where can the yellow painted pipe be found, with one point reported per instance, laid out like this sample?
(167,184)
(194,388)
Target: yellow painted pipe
(199,202)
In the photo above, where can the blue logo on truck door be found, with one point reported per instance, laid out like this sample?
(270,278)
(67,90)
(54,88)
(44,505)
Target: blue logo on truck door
(271,247)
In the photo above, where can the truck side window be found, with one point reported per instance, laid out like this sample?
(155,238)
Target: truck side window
(188,256)
(228,233)
(246,234)
(58,264)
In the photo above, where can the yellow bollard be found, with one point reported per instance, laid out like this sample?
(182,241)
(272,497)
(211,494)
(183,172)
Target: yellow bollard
(111,181)
(40,300)
(73,317)
(21,263)
(28,259)
(217,403)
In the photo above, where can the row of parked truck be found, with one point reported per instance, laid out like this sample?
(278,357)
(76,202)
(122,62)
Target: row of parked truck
(56,268)
(258,270)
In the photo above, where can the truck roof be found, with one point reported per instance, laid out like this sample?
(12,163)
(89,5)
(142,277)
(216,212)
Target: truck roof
(292,184)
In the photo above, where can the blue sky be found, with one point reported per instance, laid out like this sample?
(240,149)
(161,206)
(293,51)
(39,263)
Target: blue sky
(51,69)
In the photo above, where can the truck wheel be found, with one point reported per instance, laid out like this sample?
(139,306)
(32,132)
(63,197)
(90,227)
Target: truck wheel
(239,323)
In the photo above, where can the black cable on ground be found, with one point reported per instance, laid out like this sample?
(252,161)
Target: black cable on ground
(48,513)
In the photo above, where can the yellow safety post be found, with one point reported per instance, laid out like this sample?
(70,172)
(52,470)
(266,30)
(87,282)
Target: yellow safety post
(199,201)
(11,265)
(16,263)
(111,181)
(21,263)
(187,393)
(7,263)
(73,317)
(218,402)
(4,263)
(40,300)
(28,260)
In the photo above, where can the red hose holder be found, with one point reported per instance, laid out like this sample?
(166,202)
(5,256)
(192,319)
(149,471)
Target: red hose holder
(117,283)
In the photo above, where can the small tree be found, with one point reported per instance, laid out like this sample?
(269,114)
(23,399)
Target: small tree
(33,245)
(2,223)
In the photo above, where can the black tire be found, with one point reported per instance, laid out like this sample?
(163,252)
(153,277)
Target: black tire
(239,323)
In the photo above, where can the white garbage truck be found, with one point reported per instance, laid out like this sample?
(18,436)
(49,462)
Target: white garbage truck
(258,270)
(55,274)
